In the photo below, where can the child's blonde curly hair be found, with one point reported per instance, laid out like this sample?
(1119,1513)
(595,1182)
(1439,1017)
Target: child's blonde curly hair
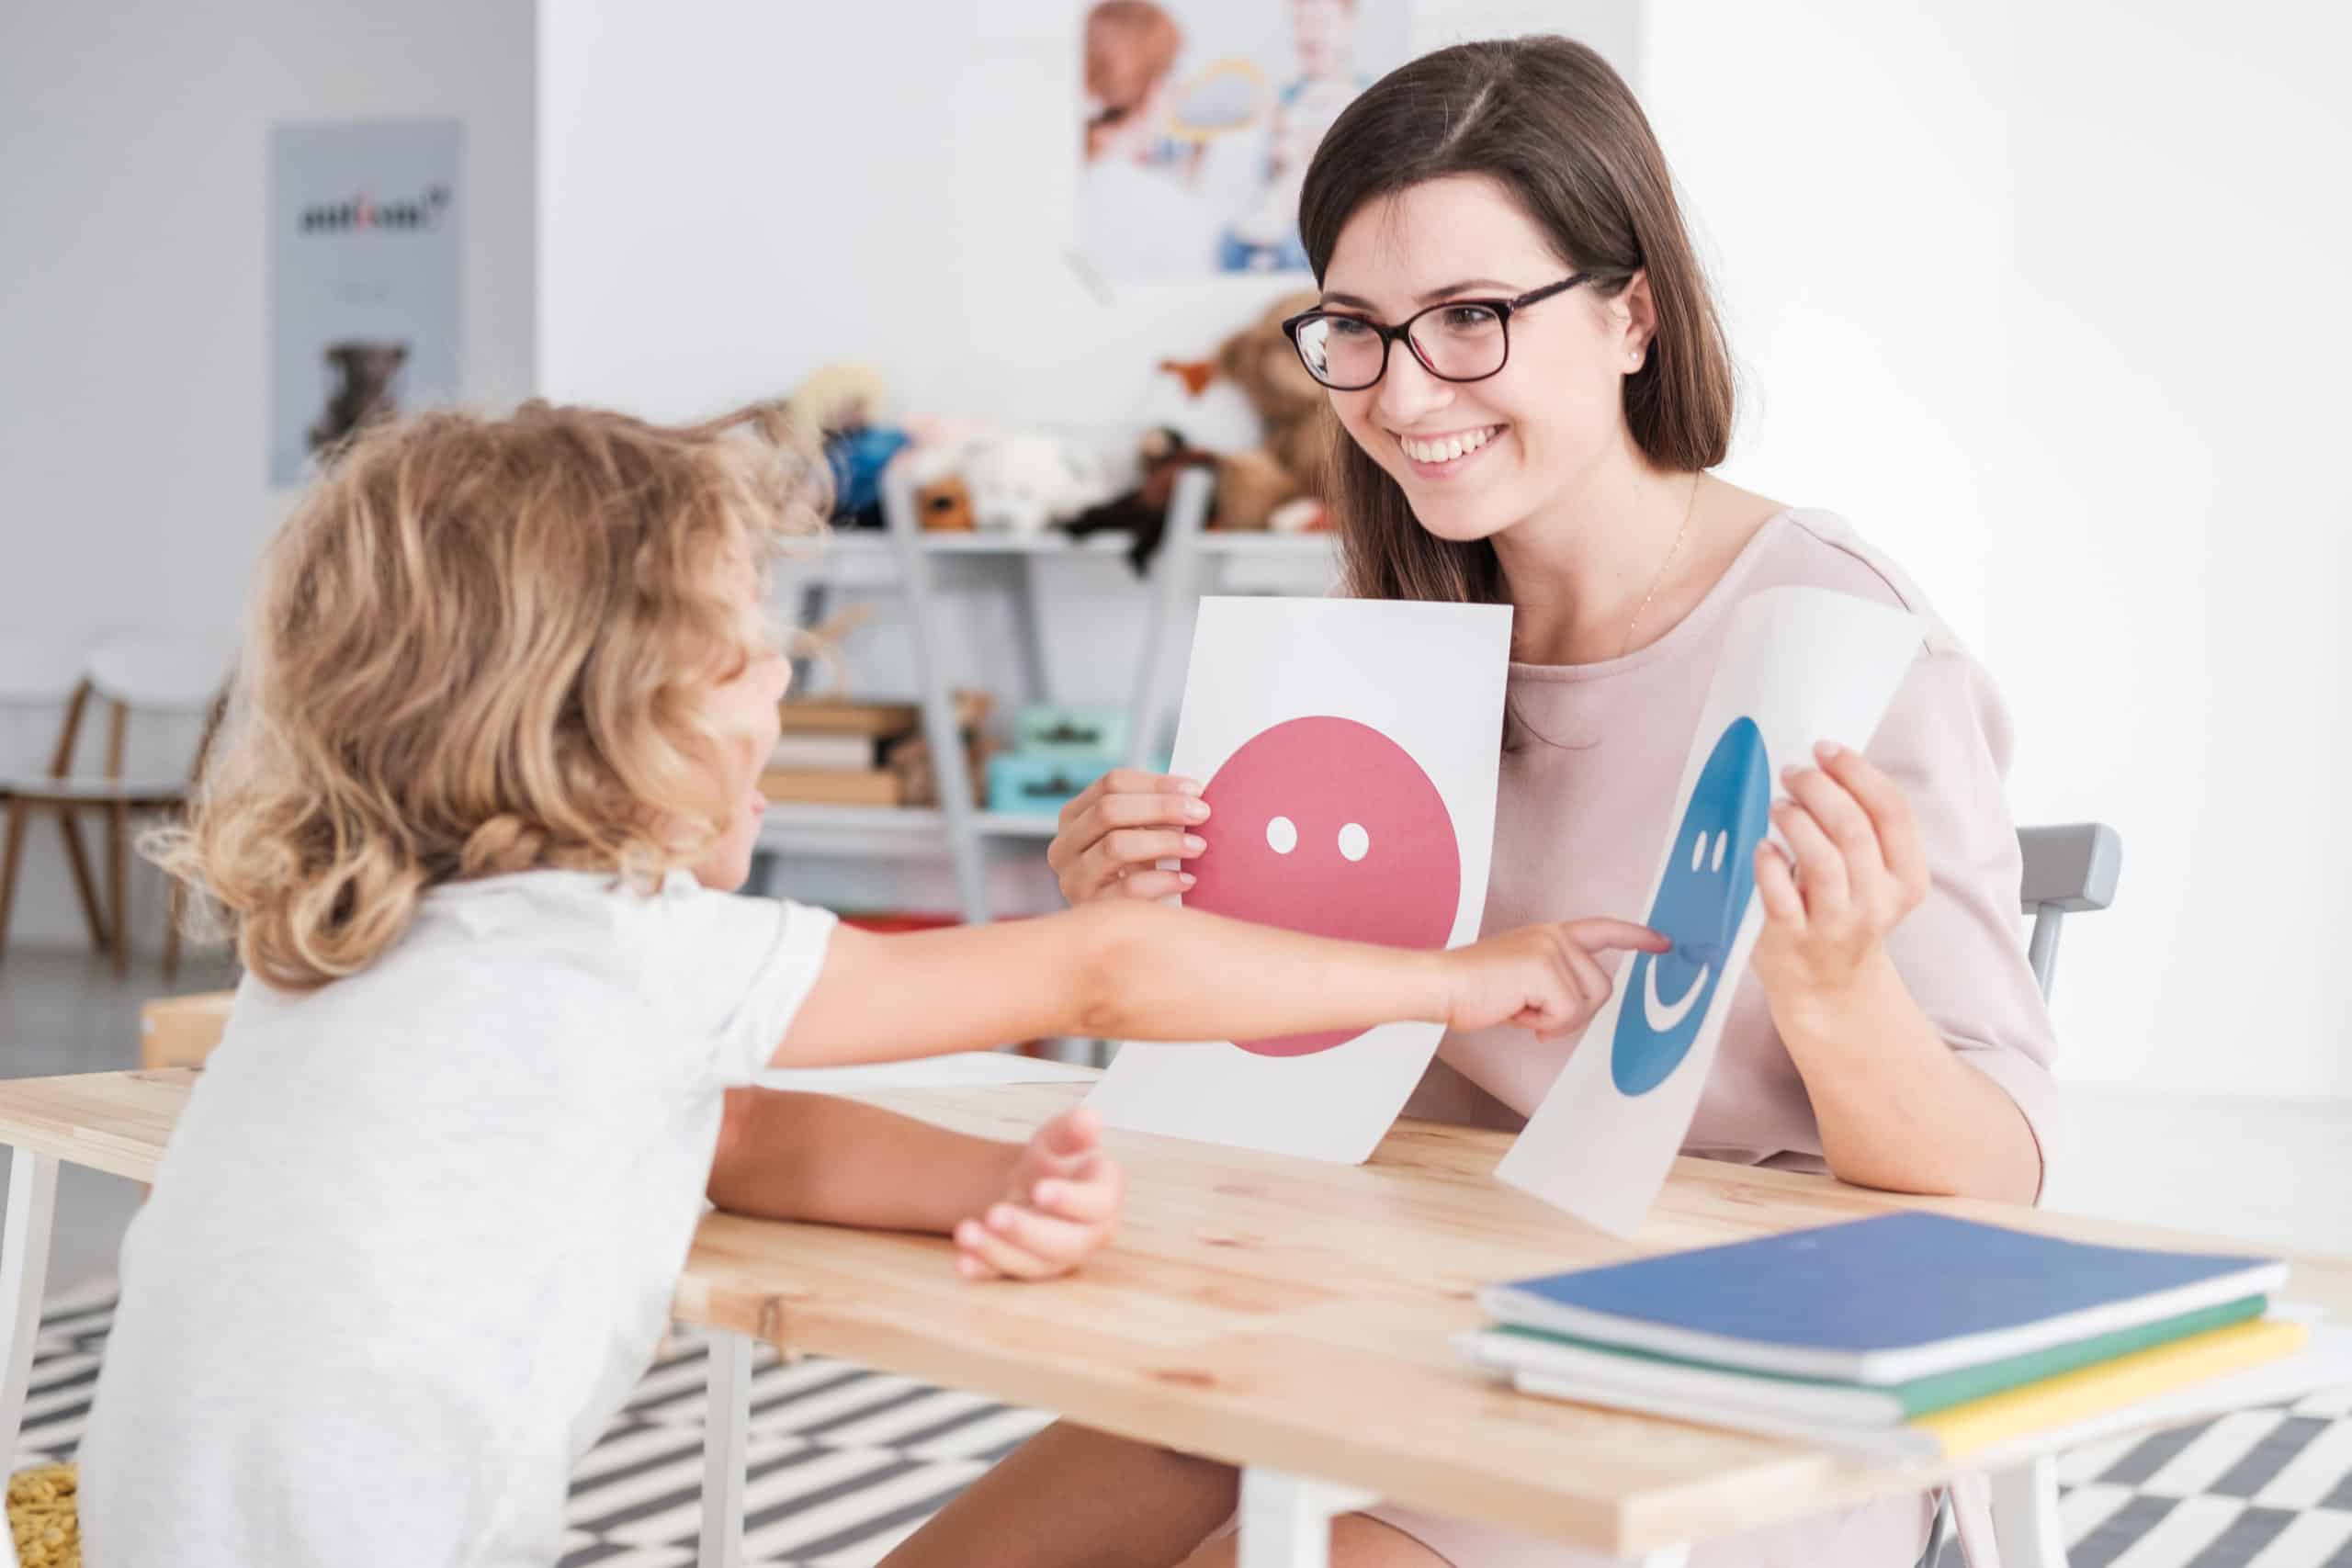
(482,646)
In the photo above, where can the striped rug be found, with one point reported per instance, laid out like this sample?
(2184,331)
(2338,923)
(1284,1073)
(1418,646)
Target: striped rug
(844,1464)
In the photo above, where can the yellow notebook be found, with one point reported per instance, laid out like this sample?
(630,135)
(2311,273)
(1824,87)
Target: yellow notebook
(2095,1390)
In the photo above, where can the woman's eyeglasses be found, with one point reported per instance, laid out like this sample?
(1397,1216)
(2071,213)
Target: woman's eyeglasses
(1460,340)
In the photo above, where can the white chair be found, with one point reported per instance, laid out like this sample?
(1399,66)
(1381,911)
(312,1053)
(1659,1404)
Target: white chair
(158,677)
(40,676)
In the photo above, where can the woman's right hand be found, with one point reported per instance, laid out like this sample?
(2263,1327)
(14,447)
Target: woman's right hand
(1112,837)
(1545,978)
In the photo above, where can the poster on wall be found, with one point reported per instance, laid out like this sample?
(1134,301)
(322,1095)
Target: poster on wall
(1612,26)
(1197,121)
(1349,750)
(365,273)
(1799,665)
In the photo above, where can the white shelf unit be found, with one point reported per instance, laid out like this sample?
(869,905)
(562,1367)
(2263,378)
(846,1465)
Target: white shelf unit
(901,557)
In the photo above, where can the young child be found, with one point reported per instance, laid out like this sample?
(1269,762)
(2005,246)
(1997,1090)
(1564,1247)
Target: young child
(1265,238)
(505,697)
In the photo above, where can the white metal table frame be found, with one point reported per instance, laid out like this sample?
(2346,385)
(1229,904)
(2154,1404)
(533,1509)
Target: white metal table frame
(1286,1519)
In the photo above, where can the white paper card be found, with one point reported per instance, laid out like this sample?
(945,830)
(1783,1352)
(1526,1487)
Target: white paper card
(1799,665)
(1349,748)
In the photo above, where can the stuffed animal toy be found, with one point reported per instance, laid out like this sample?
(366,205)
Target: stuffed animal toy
(1291,403)
(1143,511)
(362,392)
(1280,482)
(843,405)
(1250,486)
(1022,482)
(944,506)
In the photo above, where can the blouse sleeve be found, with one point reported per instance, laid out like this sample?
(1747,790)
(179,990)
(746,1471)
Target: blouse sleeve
(1946,741)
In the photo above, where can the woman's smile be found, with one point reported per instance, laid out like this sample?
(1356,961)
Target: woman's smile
(1444,454)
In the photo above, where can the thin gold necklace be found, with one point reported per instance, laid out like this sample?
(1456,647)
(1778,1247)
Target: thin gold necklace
(1671,550)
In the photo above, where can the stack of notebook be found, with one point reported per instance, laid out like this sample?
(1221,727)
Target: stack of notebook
(1907,1335)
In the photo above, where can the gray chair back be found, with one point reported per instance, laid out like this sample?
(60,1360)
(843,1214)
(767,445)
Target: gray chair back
(2068,869)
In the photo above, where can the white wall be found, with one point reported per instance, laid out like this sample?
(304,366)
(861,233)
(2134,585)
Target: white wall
(733,193)
(2053,298)
(133,327)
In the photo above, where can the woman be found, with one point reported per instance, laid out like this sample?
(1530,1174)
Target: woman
(1522,353)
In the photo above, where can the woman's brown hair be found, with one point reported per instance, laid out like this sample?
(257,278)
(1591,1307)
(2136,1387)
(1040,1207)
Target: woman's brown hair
(482,646)
(1547,119)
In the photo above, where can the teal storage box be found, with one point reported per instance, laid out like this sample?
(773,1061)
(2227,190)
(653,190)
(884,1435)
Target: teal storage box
(1024,781)
(1076,733)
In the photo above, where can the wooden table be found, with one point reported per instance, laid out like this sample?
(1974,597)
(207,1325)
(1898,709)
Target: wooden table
(1286,1317)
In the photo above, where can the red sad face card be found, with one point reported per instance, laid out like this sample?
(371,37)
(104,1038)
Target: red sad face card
(1348,752)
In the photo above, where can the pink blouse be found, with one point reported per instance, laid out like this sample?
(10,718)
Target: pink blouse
(1592,755)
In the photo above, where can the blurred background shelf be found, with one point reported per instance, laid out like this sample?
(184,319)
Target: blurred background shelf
(858,544)
(791,829)
(914,566)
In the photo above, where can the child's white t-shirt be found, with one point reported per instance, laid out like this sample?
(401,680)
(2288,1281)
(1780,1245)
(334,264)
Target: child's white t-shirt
(414,1240)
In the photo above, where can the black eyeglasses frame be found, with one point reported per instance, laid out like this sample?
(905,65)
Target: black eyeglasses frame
(1503,308)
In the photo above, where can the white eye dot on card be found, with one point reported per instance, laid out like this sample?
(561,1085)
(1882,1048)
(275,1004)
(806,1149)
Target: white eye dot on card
(1355,842)
(1282,835)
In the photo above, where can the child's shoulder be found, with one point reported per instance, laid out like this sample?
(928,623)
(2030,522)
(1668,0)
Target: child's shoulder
(567,961)
(655,930)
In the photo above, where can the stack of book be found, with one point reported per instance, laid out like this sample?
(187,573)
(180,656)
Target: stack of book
(1905,1336)
(837,751)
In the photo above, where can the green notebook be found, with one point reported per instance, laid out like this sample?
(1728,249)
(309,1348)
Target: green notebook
(1561,1358)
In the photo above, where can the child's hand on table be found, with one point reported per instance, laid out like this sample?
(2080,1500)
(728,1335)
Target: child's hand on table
(1546,978)
(1061,1203)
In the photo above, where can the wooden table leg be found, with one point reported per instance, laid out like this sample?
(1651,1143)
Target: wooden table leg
(24,1273)
(727,1420)
(118,881)
(2025,1514)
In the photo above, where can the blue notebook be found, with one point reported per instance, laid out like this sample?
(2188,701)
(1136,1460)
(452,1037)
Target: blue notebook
(1877,1301)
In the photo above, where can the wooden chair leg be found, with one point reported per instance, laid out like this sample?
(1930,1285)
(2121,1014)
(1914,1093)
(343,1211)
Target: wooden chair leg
(119,880)
(77,859)
(175,910)
(14,854)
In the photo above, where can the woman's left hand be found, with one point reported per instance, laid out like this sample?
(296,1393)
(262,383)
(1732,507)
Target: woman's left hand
(1858,869)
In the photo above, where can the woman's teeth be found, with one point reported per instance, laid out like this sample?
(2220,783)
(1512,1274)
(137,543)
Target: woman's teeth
(1450,447)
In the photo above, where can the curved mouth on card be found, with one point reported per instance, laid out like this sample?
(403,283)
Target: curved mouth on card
(1664,1017)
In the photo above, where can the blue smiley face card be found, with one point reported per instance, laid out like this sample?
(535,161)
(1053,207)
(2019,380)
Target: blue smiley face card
(1701,901)
(1797,666)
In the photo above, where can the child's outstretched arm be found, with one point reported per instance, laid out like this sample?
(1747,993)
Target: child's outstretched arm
(1145,971)
(1022,1211)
